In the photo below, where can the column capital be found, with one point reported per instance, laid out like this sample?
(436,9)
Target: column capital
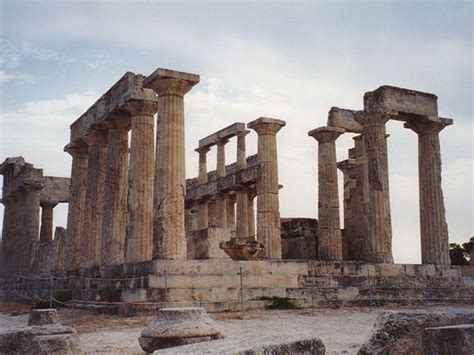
(46,204)
(266,125)
(202,150)
(119,120)
(346,165)
(428,125)
(171,82)
(371,118)
(141,107)
(326,134)
(222,142)
(77,149)
(96,137)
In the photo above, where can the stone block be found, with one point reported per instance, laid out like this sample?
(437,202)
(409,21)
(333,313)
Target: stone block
(43,317)
(401,102)
(178,326)
(343,118)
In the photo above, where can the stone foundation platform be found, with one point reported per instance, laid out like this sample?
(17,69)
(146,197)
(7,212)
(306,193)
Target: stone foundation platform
(216,284)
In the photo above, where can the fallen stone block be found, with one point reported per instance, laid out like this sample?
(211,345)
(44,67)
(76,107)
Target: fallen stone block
(43,317)
(178,326)
(450,340)
(402,332)
(51,339)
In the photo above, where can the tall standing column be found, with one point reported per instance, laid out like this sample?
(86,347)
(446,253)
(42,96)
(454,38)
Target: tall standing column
(77,201)
(329,230)
(169,240)
(251,215)
(231,212)
(202,212)
(30,210)
(139,235)
(46,230)
(8,231)
(241,204)
(433,226)
(97,166)
(221,212)
(268,211)
(115,205)
(379,228)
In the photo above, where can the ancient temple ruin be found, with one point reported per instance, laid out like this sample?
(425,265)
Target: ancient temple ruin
(132,214)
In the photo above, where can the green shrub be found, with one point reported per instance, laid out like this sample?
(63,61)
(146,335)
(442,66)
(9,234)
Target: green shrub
(280,302)
(111,294)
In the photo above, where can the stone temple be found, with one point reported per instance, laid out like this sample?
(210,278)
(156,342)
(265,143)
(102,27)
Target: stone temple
(134,217)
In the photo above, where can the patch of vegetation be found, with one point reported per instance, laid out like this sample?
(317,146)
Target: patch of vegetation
(111,294)
(63,295)
(280,302)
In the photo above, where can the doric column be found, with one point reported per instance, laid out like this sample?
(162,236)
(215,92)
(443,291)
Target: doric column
(169,240)
(139,235)
(46,230)
(379,227)
(30,221)
(97,166)
(8,231)
(251,214)
(241,153)
(268,211)
(211,212)
(329,230)
(221,213)
(115,209)
(433,226)
(231,211)
(241,224)
(77,202)
(202,212)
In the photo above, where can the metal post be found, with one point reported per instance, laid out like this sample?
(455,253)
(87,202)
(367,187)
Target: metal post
(166,286)
(51,280)
(370,293)
(241,293)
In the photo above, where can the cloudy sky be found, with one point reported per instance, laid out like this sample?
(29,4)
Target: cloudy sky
(288,60)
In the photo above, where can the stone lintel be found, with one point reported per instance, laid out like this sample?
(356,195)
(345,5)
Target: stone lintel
(55,190)
(224,134)
(266,125)
(166,81)
(400,101)
(343,118)
(129,87)
(326,133)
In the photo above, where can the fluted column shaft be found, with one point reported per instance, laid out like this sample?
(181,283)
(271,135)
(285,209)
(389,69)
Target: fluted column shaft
(433,226)
(202,211)
(268,211)
(115,209)
(77,202)
(241,224)
(46,230)
(329,229)
(97,166)
(30,211)
(251,217)
(139,236)
(231,212)
(379,228)
(221,212)
(8,232)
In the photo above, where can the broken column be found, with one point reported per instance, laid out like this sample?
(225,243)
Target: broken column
(268,215)
(379,227)
(97,166)
(433,226)
(77,204)
(46,230)
(115,204)
(139,236)
(169,241)
(329,230)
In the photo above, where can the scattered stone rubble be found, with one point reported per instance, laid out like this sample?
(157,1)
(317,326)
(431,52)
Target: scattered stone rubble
(408,332)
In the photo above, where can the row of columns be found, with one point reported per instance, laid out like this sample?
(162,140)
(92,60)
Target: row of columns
(127,205)
(375,190)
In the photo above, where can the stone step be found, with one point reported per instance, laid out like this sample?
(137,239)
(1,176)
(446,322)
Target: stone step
(213,294)
(228,280)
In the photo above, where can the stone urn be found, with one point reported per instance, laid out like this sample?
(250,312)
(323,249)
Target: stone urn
(178,326)
(243,249)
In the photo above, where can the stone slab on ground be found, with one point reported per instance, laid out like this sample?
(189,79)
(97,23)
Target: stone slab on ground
(51,339)
(450,340)
(43,317)
(397,333)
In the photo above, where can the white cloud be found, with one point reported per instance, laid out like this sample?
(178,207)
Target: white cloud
(20,78)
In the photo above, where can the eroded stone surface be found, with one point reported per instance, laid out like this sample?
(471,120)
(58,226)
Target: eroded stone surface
(43,317)
(178,326)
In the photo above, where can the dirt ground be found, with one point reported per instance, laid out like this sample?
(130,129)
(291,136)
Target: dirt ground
(342,331)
